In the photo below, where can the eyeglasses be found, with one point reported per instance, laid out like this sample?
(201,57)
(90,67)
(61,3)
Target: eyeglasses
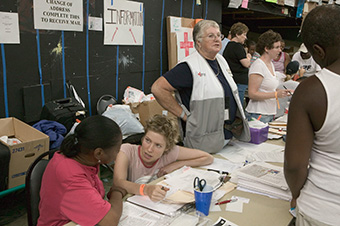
(213,36)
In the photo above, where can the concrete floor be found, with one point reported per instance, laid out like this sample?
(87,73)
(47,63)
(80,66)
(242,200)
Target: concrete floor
(13,206)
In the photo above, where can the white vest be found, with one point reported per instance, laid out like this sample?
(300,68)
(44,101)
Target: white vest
(205,125)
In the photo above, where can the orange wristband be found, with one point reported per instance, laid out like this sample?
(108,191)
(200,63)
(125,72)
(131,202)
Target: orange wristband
(141,189)
(277,100)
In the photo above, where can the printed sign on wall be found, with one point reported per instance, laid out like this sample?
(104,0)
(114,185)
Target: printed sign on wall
(123,22)
(66,15)
(9,28)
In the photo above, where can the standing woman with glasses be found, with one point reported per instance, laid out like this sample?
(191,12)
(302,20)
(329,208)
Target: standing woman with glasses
(237,57)
(207,96)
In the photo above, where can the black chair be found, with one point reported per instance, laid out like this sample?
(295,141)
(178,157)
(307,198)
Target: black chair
(103,102)
(33,182)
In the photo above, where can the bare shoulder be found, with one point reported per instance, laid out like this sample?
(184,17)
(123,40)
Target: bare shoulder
(308,89)
(310,96)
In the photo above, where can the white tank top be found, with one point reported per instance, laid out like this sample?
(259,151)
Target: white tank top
(320,197)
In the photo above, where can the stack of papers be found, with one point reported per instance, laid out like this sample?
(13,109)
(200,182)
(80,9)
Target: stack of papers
(278,127)
(238,152)
(264,178)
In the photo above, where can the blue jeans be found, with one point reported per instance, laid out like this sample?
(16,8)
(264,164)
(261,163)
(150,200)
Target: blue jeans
(264,118)
(241,90)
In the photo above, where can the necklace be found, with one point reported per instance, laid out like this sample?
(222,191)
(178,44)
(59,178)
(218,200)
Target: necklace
(218,70)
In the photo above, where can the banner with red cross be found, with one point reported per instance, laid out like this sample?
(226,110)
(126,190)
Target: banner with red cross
(185,43)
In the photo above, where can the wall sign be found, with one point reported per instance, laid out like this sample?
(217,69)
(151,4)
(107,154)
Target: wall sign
(66,15)
(123,22)
(9,28)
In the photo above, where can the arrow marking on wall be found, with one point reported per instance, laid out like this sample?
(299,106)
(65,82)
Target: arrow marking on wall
(113,36)
(132,35)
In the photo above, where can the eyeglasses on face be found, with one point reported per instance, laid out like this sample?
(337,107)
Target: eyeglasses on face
(213,36)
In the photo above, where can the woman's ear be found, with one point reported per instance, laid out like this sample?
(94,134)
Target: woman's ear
(266,49)
(98,153)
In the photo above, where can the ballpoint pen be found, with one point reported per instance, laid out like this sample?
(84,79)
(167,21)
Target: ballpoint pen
(219,171)
(288,90)
(226,201)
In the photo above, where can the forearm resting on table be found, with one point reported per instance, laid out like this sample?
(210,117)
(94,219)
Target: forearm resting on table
(112,217)
(201,161)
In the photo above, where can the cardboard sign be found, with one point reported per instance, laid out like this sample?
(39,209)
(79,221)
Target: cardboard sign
(179,36)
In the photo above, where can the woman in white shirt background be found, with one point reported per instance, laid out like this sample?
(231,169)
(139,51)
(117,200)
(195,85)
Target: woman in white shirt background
(263,81)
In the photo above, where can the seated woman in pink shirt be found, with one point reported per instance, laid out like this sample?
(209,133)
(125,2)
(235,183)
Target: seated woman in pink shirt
(71,189)
(158,155)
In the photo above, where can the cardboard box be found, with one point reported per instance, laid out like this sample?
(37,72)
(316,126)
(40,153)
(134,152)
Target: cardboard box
(23,154)
(147,109)
(258,135)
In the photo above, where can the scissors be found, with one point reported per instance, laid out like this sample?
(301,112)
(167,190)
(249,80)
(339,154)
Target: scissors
(199,184)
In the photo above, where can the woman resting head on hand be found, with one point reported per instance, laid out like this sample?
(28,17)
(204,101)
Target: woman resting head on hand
(71,189)
(158,155)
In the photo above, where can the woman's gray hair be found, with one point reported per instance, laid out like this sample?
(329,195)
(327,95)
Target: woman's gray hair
(201,27)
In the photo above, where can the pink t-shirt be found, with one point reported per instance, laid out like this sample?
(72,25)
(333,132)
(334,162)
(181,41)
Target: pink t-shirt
(138,170)
(71,191)
(279,64)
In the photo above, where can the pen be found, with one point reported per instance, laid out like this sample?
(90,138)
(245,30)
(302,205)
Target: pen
(288,91)
(226,201)
(219,171)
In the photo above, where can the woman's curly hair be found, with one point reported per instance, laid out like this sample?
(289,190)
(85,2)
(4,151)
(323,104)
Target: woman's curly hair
(165,126)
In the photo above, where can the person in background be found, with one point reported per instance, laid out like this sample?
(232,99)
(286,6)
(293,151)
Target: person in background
(71,189)
(282,60)
(225,41)
(263,82)
(251,46)
(238,59)
(306,61)
(292,70)
(312,154)
(207,96)
(158,155)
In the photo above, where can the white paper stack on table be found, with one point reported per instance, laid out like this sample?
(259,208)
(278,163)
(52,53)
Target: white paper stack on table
(279,126)
(264,178)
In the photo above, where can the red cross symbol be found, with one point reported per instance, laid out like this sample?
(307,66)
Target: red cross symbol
(186,44)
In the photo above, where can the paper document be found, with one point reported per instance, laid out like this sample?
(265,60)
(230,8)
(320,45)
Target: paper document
(160,207)
(183,178)
(223,222)
(264,173)
(237,151)
(223,165)
(134,215)
(269,156)
(264,178)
